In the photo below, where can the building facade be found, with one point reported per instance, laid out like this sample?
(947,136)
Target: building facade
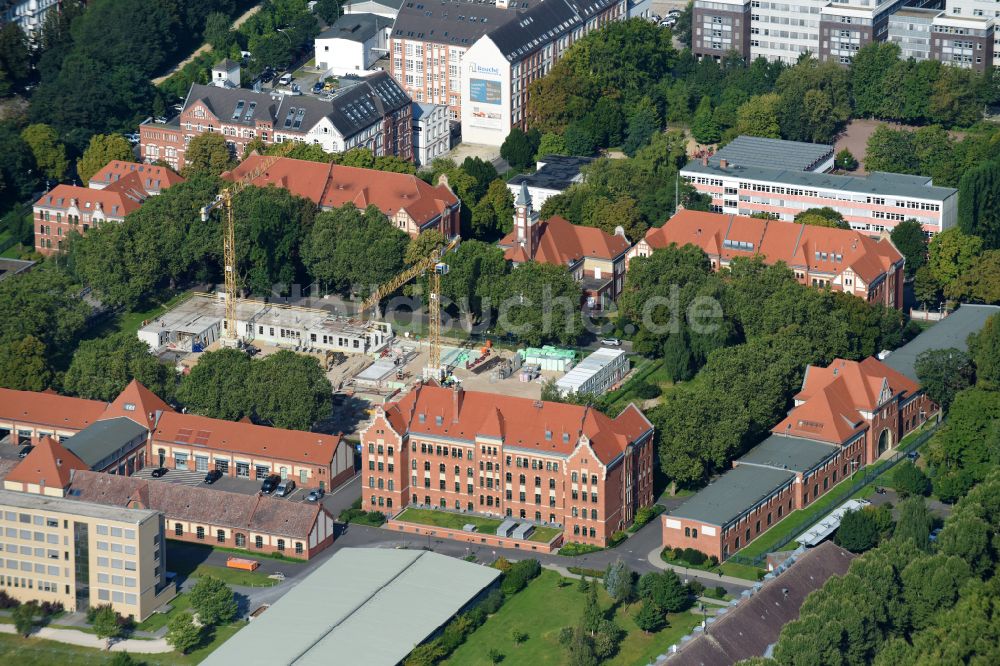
(82,554)
(826,258)
(933,34)
(981,9)
(595,258)
(502,64)
(28,15)
(352,44)
(372,113)
(431,132)
(548,463)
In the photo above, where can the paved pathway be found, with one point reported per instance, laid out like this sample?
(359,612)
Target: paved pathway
(685,572)
(75,637)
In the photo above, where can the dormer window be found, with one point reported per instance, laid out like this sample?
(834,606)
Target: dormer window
(566,437)
(129,406)
(438,420)
(421,418)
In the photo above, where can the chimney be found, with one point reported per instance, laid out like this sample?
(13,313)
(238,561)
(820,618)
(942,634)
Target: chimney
(457,395)
(723,163)
(704,160)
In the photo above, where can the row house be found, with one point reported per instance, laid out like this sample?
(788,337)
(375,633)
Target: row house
(846,416)
(410,203)
(753,176)
(476,453)
(114,192)
(595,258)
(823,257)
(502,64)
(371,112)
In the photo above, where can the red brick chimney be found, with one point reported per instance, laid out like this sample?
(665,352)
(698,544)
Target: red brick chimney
(723,164)
(457,395)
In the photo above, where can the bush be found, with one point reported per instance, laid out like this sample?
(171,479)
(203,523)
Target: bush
(694,557)
(573,548)
(718,592)
(502,564)
(696,588)
(50,608)
(518,576)
(647,391)
(908,479)
(643,516)
(565,636)
(713,561)
(678,553)
(7,601)
(491,604)
(617,538)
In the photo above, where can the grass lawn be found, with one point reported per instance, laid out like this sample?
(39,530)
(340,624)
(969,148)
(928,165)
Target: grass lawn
(12,252)
(740,570)
(541,610)
(188,561)
(448,519)
(179,604)
(544,534)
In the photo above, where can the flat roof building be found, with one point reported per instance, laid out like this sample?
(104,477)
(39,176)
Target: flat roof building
(553,175)
(352,44)
(597,374)
(350,607)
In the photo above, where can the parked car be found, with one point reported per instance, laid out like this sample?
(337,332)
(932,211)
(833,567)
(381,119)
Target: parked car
(317,87)
(285,79)
(315,495)
(25,450)
(611,342)
(159,471)
(913,455)
(674,13)
(270,484)
(285,488)
(160,119)
(133,138)
(668,22)
(213,476)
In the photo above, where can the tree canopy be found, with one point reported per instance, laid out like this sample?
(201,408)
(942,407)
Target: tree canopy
(101,368)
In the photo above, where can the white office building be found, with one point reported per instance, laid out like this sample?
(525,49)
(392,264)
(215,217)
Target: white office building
(431,132)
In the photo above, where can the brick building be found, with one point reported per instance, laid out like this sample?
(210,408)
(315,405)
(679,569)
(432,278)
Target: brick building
(372,113)
(470,452)
(595,258)
(409,202)
(139,429)
(838,259)
(846,416)
(115,191)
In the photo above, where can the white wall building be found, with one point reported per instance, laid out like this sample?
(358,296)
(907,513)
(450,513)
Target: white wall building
(431,132)
(226,74)
(596,374)
(978,9)
(352,44)
(385,8)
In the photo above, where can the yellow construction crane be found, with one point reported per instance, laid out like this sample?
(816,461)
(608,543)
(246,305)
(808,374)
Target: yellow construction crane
(224,200)
(436,268)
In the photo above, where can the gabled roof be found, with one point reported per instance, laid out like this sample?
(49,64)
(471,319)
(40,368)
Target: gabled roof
(864,380)
(547,427)
(828,417)
(114,202)
(197,504)
(332,186)
(137,403)
(246,438)
(818,249)
(149,177)
(49,409)
(563,243)
(49,464)
(542,23)
(98,441)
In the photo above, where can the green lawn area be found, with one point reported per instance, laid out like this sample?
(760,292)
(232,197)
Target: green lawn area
(544,534)
(740,570)
(179,604)
(541,610)
(187,560)
(448,519)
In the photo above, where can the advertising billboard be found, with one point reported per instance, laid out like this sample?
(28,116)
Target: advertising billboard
(482,90)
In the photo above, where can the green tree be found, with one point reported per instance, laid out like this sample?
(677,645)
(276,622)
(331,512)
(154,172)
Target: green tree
(519,149)
(423,246)
(328,10)
(24,365)
(931,584)
(44,303)
(494,213)
(619,581)
(845,161)
(943,373)
(984,346)
(24,617)
(495,656)
(18,171)
(813,219)
(869,68)
(952,253)
(979,283)
(858,531)
(49,152)
(217,385)
(213,601)
(891,150)
(643,123)
(102,149)
(758,116)
(217,32)
(182,633)
(207,153)
(290,390)
(581,649)
(482,172)
(665,590)
(925,288)
(592,613)
(476,273)
(551,144)
(105,623)
(101,368)
(967,536)
(539,303)
(914,523)
(703,127)
(15,57)
(908,237)
(979,203)
(650,617)
(963,451)
(908,479)
(123,659)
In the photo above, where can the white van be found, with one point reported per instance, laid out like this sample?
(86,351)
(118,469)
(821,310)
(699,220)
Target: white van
(285,79)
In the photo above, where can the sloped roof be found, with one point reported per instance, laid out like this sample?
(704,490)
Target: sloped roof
(49,409)
(48,464)
(99,440)
(561,242)
(864,381)
(542,23)
(829,416)
(454,22)
(247,438)
(796,244)
(773,153)
(137,403)
(150,177)
(548,427)
(752,626)
(198,504)
(332,186)
(116,202)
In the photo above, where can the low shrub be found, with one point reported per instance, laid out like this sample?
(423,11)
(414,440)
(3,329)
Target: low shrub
(573,548)
(518,576)
(7,601)
(643,516)
(716,592)
(695,557)
(502,564)
(647,391)
(583,571)
(617,538)
(696,588)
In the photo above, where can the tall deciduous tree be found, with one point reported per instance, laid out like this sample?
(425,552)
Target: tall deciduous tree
(985,349)
(915,523)
(951,253)
(207,153)
(869,68)
(102,149)
(290,390)
(45,304)
(218,385)
(49,152)
(943,373)
(15,58)
(758,116)
(540,303)
(103,367)
(182,633)
(908,237)
(24,365)
(519,148)
(213,601)
(979,203)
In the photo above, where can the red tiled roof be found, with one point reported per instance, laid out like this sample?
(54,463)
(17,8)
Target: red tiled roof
(198,504)
(48,464)
(560,242)
(795,244)
(149,177)
(545,426)
(247,438)
(137,403)
(49,409)
(332,186)
(114,203)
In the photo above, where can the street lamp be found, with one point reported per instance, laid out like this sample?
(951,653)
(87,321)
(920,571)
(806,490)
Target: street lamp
(704,615)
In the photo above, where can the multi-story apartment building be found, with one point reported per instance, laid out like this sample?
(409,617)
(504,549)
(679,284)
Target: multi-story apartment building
(837,259)
(82,554)
(548,463)
(595,258)
(981,9)
(372,113)
(431,132)
(28,15)
(931,34)
(503,63)
(114,192)
(783,178)
(412,205)
(846,416)
(429,40)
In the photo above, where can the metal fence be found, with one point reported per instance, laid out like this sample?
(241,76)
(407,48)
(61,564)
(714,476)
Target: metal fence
(871,472)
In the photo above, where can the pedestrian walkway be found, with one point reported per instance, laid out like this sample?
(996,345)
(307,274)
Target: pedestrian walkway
(654,559)
(82,639)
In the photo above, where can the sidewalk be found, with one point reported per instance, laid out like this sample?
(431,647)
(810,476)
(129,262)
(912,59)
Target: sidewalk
(654,559)
(89,640)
